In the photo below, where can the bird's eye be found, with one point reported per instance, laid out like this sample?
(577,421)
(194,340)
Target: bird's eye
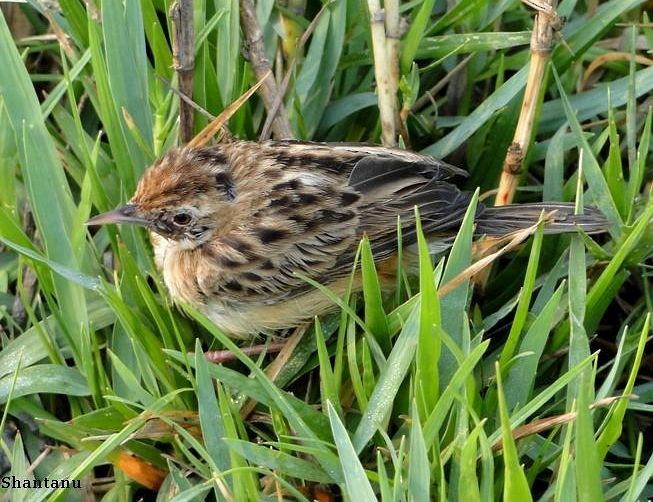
(182,219)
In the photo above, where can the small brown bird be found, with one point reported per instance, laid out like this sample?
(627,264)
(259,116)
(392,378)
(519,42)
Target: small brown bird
(235,226)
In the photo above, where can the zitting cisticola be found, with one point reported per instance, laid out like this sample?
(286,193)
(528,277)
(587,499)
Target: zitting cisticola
(232,225)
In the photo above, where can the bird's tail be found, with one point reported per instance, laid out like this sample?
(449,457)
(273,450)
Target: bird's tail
(559,218)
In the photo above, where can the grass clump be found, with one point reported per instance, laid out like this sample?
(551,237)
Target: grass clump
(537,389)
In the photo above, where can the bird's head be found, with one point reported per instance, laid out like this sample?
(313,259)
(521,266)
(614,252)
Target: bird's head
(187,196)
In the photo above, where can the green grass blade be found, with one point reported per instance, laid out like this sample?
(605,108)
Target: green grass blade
(227,58)
(520,379)
(515,484)
(388,382)
(419,472)
(414,35)
(612,430)
(328,384)
(284,464)
(44,378)
(326,458)
(127,65)
(453,305)
(640,482)
(524,299)
(213,430)
(430,327)
(356,485)
(468,484)
(588,476)
(521,415)
(45,180)
(375,318)
(484,112)
(565,483)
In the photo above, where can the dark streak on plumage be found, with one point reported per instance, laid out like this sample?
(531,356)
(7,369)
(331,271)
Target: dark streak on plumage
(237,244)
(307,198)
(292,184)
(280,201)
(329,216)
(212,155)
(229,263)
(306,160)
(348,198)
(267,265)
(225,183)
(233,286)
(297,218)
(251,276)
(268,235)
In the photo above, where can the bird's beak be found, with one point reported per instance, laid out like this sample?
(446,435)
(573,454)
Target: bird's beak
(125,214)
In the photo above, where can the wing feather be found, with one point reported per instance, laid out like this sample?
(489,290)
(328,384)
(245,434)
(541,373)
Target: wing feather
(322,232)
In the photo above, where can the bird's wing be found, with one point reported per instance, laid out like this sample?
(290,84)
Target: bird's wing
(391,184)
(359,160)
(329,197)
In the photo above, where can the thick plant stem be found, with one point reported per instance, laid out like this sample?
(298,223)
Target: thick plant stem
(183,56)
(393,36)
(383,72)
(261,66)
(541,40)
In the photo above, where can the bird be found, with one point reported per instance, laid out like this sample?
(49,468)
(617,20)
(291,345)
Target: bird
(237,228)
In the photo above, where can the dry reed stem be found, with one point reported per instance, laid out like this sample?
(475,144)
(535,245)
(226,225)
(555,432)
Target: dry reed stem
(383,74)
(183,60)
(541,40)
(261,66)
(393,36)
(219,122)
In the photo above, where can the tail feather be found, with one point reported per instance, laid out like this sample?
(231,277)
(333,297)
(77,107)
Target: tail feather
(559,218)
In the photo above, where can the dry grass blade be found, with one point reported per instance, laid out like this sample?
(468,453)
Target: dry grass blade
(145,473)
(210,130)
(62,38)
(543,424)
(613,56)
(482,248)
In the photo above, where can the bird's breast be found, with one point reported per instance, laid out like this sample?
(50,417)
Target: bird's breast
(179,268)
